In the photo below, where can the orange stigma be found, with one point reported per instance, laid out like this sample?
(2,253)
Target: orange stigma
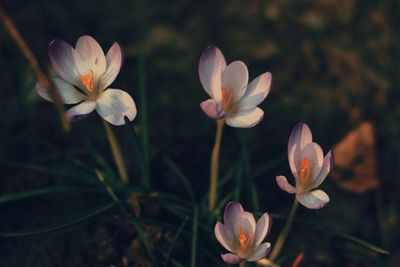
(227,96)
(87,81)
(304,169)
(243,239)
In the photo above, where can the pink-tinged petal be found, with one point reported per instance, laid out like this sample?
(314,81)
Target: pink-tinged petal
(314,154)
(327,166)
(114,104)
(231,258)
(313,200)
(293,165)
(69,94)
(62,59)
(89,57)
(235,77)
(246,119)
(284,184)
(213,109)
(232,213)
(114,60)
(261,252)
(211,65)
(245,221)
(80,110)
(262,228)
(232,210)
(224,236)
(256,92)
(300,137)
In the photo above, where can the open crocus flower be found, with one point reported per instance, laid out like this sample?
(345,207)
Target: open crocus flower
(232,98)
(85,74)
(309,168)
(241,235)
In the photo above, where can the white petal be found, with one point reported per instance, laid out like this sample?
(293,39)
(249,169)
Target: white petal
(213,109)
(231,258)
(256,92)
(80,109)
(114,62)
(313,200)
(314,154)
(89,57)
(235,76)
(261,252)
(245,221)
(114,104)
(327,166)
(62,58)
(211,65)
(262,228)
(300,137)
(284,184)
(245,119)
(232,212)
(68,93)
(224,236)
(293,165)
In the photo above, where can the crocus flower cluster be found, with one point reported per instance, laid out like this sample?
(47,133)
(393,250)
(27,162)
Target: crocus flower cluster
(232,99)
(85,75)
(309,168)
(241,235)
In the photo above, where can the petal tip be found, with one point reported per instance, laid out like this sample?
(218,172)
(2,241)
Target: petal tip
(231,258)
(212,109)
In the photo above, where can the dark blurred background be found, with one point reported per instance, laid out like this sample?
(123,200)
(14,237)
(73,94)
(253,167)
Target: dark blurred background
(334,65)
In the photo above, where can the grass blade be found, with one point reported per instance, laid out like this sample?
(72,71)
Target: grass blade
(144,118)
(178,233)
(194,237)
(179,174)
(44,191)
(337,232)
(66,225)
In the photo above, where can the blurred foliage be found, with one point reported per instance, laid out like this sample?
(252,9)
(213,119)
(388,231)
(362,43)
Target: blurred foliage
(334,65)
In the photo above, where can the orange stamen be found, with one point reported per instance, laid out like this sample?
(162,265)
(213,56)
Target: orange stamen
(304,169)
(87,81)
(243,239)
(227,96)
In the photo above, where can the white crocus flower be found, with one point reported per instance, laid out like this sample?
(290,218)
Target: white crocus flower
(309,168)
(241,235)
(232,99)
(85,74)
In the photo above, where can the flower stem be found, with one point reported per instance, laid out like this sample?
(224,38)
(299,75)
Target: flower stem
(116,151)
(282,236)
(214,166)
(47,83)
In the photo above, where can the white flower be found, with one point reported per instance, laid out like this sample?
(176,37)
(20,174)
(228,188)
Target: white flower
(241,235)
(85,74)
(232,99)
(309,168)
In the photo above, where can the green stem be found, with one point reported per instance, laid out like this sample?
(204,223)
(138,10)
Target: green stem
(214,167)
(282,236)
(116,151)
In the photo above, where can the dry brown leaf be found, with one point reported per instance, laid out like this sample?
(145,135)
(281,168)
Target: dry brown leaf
(355,154)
